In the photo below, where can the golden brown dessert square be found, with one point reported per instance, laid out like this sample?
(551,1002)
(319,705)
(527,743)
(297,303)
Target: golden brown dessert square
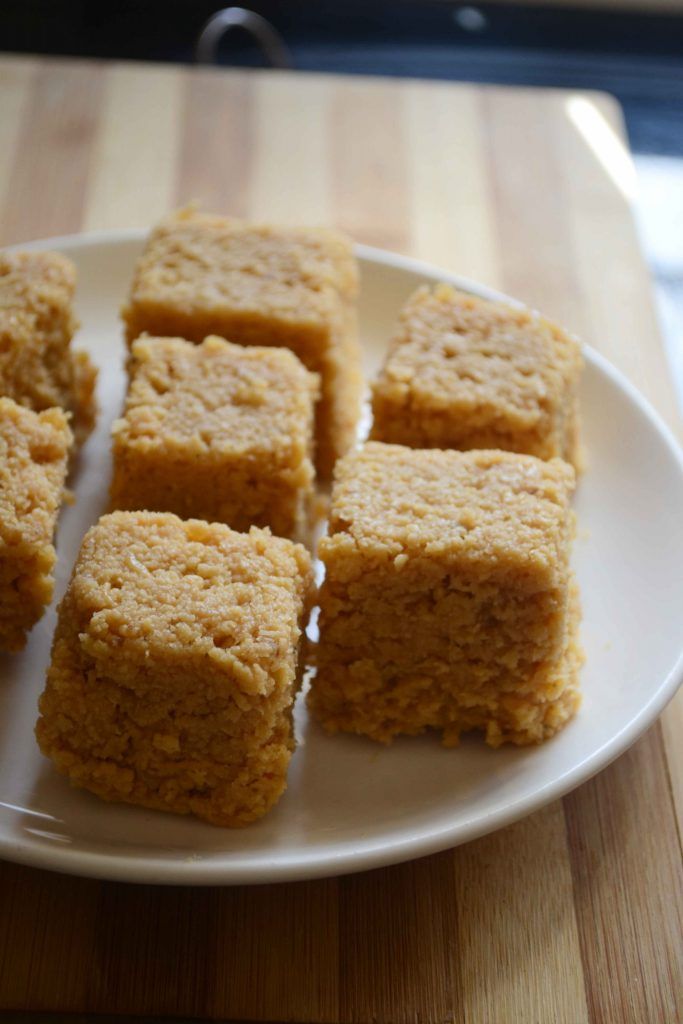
(34,449)
(218,432)
(448,600)
(466,373)
(258,285)
(38,367)
(175,666)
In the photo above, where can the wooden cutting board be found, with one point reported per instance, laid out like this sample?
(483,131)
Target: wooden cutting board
(570,916)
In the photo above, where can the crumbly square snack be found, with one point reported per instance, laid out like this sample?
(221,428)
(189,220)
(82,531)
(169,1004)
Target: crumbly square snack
(448,600)
(175,665)
(466,373)
(218,432)
(38,367)
(34,449)
(259,285)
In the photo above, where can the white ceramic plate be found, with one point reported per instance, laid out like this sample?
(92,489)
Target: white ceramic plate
(350,804)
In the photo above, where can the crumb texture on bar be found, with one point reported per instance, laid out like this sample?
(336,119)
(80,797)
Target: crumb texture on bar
(197,264)
(466,373)
(38,367)
(34,450)
(219,432)
(448,600)
(202,274)
(175,666)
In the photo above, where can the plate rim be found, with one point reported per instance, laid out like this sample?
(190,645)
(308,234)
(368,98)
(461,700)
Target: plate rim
(129,868)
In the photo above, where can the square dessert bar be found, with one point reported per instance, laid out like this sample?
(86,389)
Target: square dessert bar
(175,665)
(34,449)
(218,432)
(38,367)
(258,285)
(466,373)
(448,600)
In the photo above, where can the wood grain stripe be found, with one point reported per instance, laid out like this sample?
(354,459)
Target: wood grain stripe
(519,944)
(254,953)
(529,210)
(672,730)
(451,187)
(45,194)
(136,148)
(277,953)
(242,953)
(368,158)
(399,944)
(46,922)
(628,889)
(157,958)
(216,152)
(16,81)
(290,182)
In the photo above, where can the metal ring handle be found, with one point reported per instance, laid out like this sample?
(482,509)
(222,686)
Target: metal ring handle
(269,40)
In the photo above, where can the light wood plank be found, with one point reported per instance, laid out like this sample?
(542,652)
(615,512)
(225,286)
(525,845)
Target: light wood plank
(45,193)
(672,731)
(16,82)
(450,181)
(519,944)
(528,210)
(134,163)
(290,183)
(216,157)
(368,163)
